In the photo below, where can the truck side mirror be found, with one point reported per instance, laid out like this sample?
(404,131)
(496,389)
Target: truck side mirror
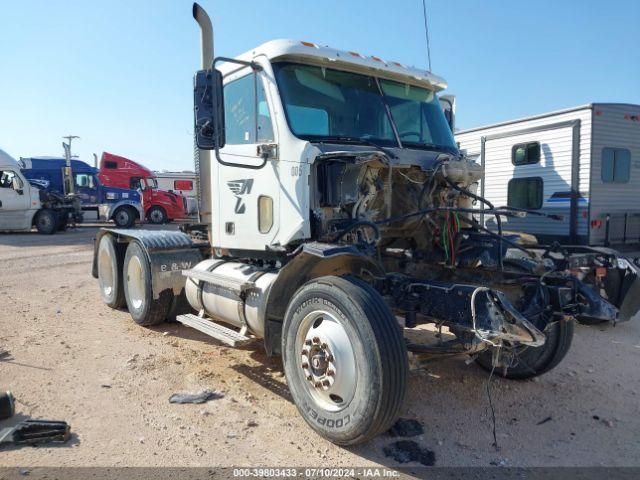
(448,104)
(208,108)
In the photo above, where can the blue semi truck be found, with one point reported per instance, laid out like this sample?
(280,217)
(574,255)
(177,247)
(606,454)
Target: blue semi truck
(123,206)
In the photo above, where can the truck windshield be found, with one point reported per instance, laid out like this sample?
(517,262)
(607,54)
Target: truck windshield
(322,104)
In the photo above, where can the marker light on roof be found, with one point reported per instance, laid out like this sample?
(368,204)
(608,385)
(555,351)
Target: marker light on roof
(377,59)
(355,54)
(398,64)
(309,44)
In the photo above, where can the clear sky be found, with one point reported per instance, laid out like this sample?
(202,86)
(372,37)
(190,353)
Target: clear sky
(119,73)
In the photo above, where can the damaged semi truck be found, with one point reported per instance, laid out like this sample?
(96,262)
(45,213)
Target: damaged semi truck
(337,221)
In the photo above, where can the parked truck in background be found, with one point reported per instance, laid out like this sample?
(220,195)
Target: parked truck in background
(121,205)
(24,204)
(183,183)
(160,206)
(337,218)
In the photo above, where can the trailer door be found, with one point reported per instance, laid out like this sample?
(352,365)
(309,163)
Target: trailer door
(536,169)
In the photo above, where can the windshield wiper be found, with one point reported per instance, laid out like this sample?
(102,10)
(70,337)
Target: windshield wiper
(362,141)
(430,146)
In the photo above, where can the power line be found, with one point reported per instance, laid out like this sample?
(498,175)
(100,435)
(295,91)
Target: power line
(426,31)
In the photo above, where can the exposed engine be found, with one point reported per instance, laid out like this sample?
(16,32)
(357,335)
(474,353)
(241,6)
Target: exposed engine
(384,200)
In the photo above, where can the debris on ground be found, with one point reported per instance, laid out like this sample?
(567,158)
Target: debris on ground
(3,353)
(405,451)
(200,397)
(7,405)
(499,462)
(406,427)
(541,422)
(33,432)
(252,423)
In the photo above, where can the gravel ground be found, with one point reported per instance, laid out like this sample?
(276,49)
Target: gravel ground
(74,359)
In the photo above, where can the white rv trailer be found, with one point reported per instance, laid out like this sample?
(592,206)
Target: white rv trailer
(183,183)
(582,163)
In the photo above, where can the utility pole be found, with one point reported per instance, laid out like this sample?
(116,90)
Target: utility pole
(67,156)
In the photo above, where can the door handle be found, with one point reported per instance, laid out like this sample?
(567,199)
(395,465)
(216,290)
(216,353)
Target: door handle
(0,203)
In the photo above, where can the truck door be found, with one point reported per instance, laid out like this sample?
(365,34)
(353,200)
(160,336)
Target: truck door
(86,187)
(15,201)
(247,210)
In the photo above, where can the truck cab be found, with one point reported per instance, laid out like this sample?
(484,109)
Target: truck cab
(19,200)
(121,205)
(25,202)
(160,206)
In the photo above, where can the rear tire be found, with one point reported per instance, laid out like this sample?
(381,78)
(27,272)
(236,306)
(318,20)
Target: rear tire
(124,217)
(534,361)
(157,215)
(138,291)
(46,221)
(110,259)
(340,331)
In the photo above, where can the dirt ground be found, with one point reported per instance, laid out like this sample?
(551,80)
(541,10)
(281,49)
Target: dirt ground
(74,359)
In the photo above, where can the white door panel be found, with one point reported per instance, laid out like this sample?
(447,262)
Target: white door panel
(15,202)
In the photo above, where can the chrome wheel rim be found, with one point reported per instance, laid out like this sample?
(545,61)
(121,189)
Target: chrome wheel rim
(157,216)
(326,360)
(122,217)
(135,282)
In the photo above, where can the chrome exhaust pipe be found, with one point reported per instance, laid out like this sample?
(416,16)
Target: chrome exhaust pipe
(203,159)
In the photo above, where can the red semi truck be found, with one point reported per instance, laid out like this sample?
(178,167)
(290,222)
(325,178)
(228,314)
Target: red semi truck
(160,206)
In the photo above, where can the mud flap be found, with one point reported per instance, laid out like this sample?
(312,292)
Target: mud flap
(631,302)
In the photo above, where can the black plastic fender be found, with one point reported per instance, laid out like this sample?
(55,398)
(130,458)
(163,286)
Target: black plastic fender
(312,261)
(169,252)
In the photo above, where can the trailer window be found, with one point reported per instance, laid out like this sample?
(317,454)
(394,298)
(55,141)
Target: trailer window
(246,117)
(525,153)
(616,165)
(183,185)
(525,193)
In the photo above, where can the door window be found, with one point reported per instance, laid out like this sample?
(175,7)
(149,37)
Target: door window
(84,180)
(246,113)
(525,193)
(9,179)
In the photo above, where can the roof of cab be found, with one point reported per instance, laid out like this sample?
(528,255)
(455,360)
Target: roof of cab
(47,163)
(7,160)
(295,50)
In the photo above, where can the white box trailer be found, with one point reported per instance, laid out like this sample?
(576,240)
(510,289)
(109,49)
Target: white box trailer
(582,163)
(183,183)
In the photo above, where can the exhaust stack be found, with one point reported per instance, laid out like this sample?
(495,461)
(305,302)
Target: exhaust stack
(203,159)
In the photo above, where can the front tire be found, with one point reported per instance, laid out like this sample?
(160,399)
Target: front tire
(534,361)
(157,215)
(110,272)
(138,291)
(46,221)
(345,359)
(124,217)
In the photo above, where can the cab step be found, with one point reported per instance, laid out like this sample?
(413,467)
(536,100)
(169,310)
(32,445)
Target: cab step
(219,332)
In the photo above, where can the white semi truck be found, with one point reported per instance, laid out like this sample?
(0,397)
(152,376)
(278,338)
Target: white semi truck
(25,204)
(337,219)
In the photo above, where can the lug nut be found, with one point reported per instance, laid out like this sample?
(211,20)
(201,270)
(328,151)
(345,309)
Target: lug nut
(307,342)
(331,373)
(305,365)
(316,339)
(318,384)
(329,358)
(309,377)
(324,346)
(305,352)
(326,383)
